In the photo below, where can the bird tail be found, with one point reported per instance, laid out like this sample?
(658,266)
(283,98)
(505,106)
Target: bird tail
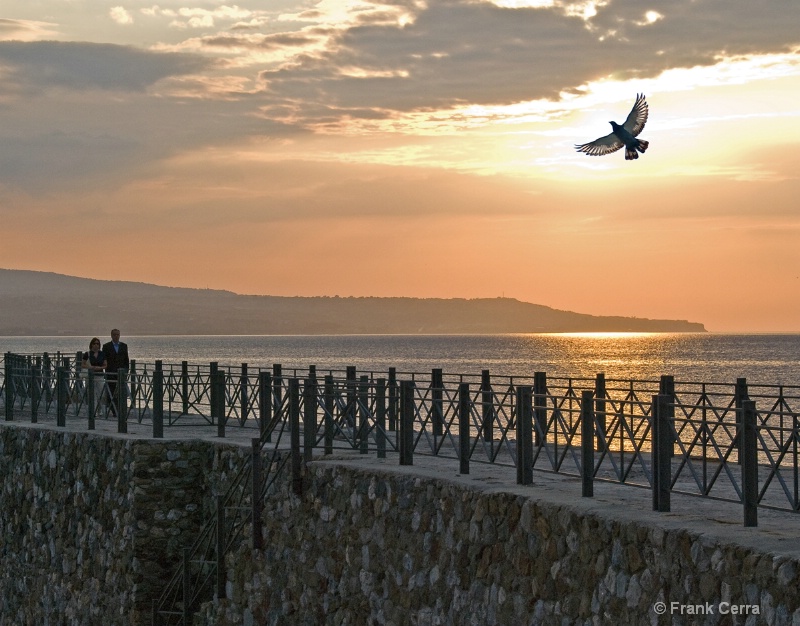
(641,146)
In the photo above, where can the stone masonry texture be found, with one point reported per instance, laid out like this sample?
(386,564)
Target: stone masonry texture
(362,546)
(92,526)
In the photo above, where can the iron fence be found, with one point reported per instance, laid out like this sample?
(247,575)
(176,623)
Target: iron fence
(728,441)
(361,411)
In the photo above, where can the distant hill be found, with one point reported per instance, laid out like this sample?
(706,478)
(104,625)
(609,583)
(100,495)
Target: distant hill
(41,303)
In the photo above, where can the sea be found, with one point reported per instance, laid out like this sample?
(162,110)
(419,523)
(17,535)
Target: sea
(769,359)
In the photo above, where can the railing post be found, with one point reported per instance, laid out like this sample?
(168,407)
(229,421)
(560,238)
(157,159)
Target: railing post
(666,387)
(8,371)
(487,406)
(740,395)
(158,401)
(437,413)
(350,411)
(393,399)
(524,435)
(220,547)
(749,463)
(184,387)
(587,444)
(36,391)
(61,395)
(540,407)
(294,426)
(243,394)
(309,418)
(121,400)
(600,410)
(47,376)
(363,412)
(213,401)
(76,386)
(134,386)
(661,453)
(256,497)
(781,402)
(265,403)
(277,390)
(218,401)
(380,417)
(91,401)
(654,450)
(406,433)
(329,408)
(463,427)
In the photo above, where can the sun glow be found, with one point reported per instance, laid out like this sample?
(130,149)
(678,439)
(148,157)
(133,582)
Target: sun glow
(608,335)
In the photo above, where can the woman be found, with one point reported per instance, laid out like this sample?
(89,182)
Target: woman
(95,361)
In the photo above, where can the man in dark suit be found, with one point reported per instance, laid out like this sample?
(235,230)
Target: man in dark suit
(116,354)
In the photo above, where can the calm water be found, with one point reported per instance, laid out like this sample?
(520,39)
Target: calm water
(766,359)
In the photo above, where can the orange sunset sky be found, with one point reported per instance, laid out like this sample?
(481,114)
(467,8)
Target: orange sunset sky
(411,148)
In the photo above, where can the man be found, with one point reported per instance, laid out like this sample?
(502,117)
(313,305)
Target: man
(116,354)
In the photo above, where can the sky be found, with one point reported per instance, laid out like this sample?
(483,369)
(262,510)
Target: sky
(411,148)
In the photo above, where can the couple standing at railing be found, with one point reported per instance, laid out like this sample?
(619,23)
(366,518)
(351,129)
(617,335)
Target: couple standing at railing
(108,359)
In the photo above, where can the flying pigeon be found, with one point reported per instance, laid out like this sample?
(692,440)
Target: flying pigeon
(624,135)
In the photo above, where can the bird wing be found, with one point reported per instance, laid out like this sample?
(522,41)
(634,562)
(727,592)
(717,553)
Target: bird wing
(603,145)
(636,119)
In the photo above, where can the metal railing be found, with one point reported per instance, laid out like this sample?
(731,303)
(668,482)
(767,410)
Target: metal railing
(727,441)
(361,412)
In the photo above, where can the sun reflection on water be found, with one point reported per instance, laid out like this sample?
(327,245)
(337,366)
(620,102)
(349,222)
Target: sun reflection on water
(644,356)
(606,335)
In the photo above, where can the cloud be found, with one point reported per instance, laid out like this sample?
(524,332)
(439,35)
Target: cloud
(79,114)
(120,15)
(519,54)
(99,143)
(379,67)
(80,66)
(25,30)
(200,18)
(221,13)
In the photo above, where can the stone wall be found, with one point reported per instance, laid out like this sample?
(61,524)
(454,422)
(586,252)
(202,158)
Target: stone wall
(92,525)
(371,545)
